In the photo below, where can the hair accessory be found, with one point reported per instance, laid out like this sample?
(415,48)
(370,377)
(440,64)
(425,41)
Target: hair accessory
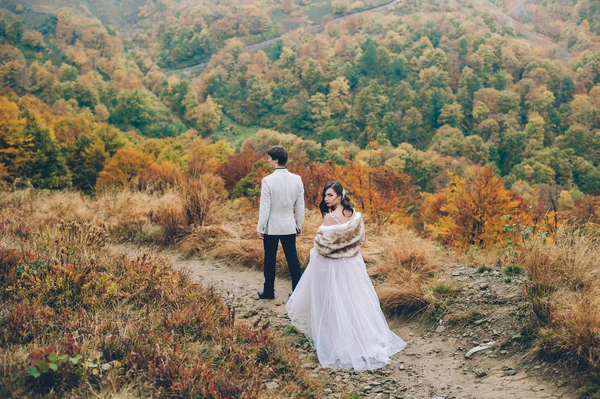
(343,193)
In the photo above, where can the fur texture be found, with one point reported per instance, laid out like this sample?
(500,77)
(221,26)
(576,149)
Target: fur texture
(341,241)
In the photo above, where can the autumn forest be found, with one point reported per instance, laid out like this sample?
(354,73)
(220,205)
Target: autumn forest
(471,126)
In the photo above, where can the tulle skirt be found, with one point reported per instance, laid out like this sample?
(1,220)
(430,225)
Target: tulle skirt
(336,306)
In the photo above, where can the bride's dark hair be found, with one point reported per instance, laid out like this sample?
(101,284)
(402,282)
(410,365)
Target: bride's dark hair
(339,190)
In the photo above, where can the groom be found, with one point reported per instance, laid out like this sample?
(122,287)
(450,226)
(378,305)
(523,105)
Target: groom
(281,192)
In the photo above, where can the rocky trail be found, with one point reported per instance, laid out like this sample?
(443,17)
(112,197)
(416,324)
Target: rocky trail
(437,363)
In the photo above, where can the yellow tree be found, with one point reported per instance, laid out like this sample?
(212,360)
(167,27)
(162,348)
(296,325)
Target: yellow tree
(208,116)
(206,158)
(15,147)
(124,169)
(473,212)
(339,96)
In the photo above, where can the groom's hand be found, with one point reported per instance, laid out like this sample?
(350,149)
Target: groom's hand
(261,236)
(298,232)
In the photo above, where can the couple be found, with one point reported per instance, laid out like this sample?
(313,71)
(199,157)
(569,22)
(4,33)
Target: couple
(333,302)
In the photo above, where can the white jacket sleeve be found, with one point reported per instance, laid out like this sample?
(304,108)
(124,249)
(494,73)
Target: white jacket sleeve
(265,206)
(300,207)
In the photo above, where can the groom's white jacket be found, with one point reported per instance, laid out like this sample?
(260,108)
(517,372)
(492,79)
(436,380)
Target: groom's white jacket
(281,193)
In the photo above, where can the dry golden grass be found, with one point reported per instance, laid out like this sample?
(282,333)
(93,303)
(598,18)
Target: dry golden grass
(405,262)
(574,331)
(571,259)
(169,217)
(565,296)
(241,245)
(45,207)
(226,230)
(127,215)
(203,238)
(405,252)
(239,251)
(477,256)
(199,197)
(405,298)
(110,210)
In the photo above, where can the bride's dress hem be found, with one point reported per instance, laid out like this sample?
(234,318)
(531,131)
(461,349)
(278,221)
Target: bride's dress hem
(336,307)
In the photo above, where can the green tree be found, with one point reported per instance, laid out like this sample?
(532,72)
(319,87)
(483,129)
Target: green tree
(47,167)
(368,60)
(448,141)
(132,110)
(510,148)
(91,156)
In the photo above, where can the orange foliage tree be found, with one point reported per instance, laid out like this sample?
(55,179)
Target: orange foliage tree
(159,177)
(474,211)
(315,176)
(124,168)
(237,166)
(386,194)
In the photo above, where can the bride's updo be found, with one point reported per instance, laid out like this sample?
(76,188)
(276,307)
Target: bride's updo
(339,190)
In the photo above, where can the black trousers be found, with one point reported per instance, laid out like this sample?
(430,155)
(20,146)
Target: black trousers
(271,243)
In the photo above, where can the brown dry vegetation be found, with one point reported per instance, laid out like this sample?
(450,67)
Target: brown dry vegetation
(77,321)
(564,269)
(226,229)
(564,296)
(407,262)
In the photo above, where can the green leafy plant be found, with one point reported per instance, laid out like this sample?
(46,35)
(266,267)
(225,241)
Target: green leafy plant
(52,364)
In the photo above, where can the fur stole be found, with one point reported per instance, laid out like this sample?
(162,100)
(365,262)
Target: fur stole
(341,240)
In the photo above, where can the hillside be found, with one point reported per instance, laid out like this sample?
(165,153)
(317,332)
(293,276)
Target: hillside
(519,112)
(443,303)
(465,130)
(122,14)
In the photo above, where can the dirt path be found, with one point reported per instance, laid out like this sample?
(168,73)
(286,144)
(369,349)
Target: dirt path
(432,366)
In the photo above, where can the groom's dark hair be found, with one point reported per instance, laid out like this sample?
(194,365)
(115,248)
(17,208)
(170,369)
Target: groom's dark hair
(278,153)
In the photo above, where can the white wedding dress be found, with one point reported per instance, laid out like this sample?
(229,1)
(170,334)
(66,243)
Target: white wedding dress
(336,306)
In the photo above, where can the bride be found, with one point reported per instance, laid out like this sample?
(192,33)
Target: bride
(335,303)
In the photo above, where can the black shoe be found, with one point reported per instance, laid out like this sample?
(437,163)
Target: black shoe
(262,295)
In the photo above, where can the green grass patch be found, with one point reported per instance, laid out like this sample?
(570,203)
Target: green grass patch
(317,13)
(590,390)
(290,330)
(233,132)
(513,270)
(443,288)
(435,311)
